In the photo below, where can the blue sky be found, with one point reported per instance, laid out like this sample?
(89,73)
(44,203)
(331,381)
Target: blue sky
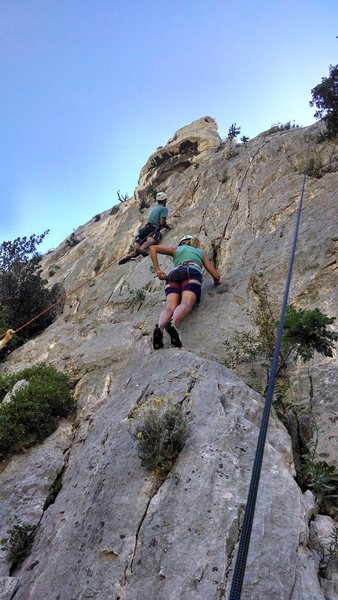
(90,88)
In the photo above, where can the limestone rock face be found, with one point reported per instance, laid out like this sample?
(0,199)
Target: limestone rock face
(182,151)
(25,483)
(114,533)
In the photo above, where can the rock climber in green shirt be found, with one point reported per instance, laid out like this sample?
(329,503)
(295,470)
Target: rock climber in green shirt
(183,287)
(151,232)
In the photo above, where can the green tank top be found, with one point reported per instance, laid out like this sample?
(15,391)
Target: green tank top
(188,254)
(156,214)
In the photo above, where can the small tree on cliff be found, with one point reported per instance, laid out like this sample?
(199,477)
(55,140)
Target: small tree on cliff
(325,98)
(22,290)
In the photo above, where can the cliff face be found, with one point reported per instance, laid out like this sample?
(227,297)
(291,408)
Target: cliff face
(113,532)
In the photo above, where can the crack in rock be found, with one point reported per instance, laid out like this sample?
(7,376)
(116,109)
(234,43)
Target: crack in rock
(233,540)
(129,569)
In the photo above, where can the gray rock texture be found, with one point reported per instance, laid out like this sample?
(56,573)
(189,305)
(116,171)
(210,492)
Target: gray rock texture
(15,388)
(8,586)
(114,532)
(25,482)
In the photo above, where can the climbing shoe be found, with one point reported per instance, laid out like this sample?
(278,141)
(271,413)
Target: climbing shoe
(124,260)
(174,335)
(157,338)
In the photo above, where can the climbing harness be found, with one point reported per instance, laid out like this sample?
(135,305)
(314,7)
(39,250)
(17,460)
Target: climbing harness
(243,548)
(147,231)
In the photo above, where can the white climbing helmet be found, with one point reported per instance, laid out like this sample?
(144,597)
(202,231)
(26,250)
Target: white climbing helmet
(185,238)
(161,196)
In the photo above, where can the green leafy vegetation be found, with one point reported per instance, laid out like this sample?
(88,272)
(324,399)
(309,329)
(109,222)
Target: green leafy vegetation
(143,203)
(283,126)
(329,556)
(72,240)
(22,290)
(305,332)
(325,99)
(114,209)
(161,433)
(53,492)
(244,139)
(33,412)
(137,296)
(98,265)
(259,343)
(19,543)
(233,132)
(319,476)
(224,176)
(315,168)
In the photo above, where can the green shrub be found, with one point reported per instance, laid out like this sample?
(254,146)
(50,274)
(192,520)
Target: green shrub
(6,383)
(98,265)
(319,476)
(232,154)
(137,296)
(329,556)
(72,240)
(33,412)
(53,492)
(243,348)
(224,177)
(23,294)
(283,126)
(233,132)
(114,210)
(247,346)
(315,168)
(305,331)
(161,434)
(19,543)
(143,203)
(280,397)
(325,99)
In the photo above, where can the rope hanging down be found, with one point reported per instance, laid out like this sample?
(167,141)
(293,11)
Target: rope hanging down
(243,548)
(9,334)
(57,302)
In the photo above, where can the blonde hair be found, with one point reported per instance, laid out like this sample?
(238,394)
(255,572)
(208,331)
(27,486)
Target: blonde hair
(195,242)
(190,241)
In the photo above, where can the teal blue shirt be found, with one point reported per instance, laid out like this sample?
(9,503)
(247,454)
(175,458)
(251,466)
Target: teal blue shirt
(188,254)
(157,213)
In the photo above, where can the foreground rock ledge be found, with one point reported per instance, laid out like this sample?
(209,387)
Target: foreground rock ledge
(113,534)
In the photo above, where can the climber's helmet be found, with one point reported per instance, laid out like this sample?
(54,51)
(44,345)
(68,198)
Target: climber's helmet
(185,238)
(161,197)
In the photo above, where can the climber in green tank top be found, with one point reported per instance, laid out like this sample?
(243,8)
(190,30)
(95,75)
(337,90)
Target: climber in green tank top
(183,287)
(150,233)
(188,254)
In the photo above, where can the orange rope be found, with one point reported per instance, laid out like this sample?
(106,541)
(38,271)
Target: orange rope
(63,299)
